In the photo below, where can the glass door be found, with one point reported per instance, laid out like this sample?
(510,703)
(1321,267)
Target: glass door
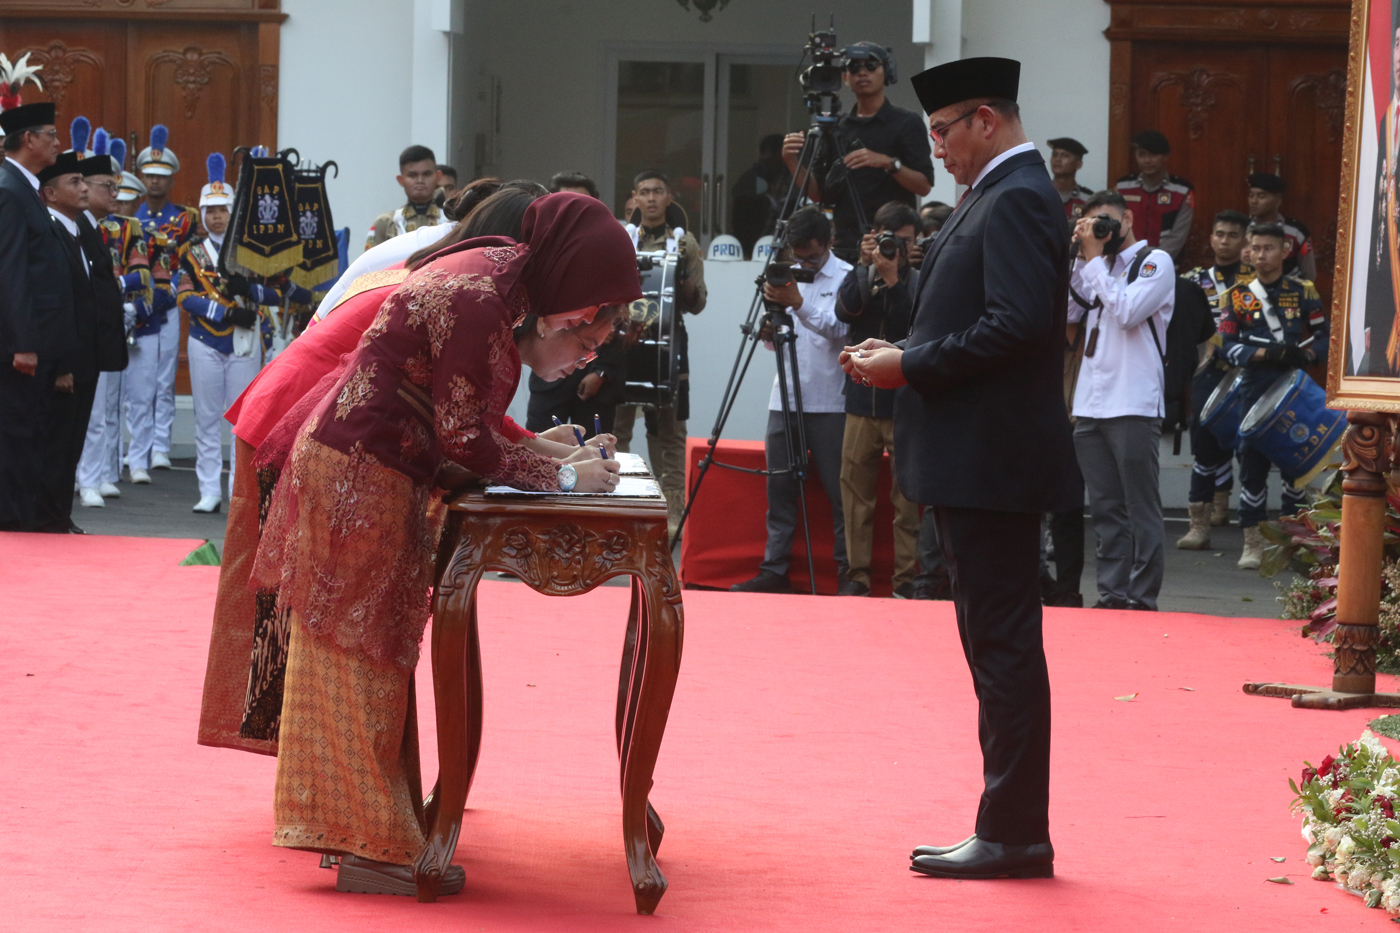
(759,100)
(665,121)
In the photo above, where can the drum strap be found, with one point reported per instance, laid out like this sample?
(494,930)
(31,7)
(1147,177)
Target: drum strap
(1275,327)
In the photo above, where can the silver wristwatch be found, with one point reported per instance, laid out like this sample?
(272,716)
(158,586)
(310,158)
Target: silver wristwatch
(568,477)
(895,167)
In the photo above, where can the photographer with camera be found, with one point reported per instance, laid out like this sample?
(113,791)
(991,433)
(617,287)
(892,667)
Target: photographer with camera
(877,300)
(1124,292)
(888,156)
(802,307)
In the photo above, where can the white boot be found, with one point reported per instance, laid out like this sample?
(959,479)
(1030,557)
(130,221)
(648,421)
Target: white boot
(1198,538)
(160,460)
(1253,553)
(109,491)
(140,477)
(208,504)
(92,499)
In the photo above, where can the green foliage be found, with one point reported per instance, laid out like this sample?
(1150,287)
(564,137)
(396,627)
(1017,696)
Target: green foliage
(1388,726)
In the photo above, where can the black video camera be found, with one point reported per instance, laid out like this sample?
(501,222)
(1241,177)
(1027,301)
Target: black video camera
(785,273)
(821,80)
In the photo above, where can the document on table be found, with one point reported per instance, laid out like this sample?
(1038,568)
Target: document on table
(628,487)
(632,465)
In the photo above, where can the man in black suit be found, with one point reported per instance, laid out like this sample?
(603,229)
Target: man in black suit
(37,329)
(982,436)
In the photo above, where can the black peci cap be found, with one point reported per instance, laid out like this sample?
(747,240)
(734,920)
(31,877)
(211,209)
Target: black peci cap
(1269,182)
(68,163)
(1068,144)
(28,116)
(967,79)
(1153,141)
(96,165)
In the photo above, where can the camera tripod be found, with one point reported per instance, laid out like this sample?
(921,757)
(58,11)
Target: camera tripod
(821,144)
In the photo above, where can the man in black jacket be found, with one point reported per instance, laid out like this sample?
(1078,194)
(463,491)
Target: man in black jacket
(37,327)
(876,300)
(982,436)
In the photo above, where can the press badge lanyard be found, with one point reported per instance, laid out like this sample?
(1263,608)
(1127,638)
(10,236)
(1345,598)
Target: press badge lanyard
(1256,288)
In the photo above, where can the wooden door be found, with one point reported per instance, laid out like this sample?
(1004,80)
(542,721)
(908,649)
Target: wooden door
(1208,100)
(1307,108)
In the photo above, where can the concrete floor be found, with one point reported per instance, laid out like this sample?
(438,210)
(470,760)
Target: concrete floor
(1195,581)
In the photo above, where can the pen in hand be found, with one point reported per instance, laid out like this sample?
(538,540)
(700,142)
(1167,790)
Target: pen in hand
(597,424)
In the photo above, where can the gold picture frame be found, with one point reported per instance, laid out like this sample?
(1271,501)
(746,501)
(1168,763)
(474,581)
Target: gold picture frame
(1363,367)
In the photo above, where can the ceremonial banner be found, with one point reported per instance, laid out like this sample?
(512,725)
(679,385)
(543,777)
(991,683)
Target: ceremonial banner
(320,259)
(264,232)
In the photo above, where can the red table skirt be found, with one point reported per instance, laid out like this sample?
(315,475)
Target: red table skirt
(726,531)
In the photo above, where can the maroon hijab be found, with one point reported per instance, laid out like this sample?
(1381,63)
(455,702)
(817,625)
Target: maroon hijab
(579,255)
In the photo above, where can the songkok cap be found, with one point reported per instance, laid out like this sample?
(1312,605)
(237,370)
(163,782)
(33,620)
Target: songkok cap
(1068,144)
(865,50)
(1268,182)
(28,117)
(967,79)
(1153,141)
(132,188)
(216,193)
(156,159)
(68,163)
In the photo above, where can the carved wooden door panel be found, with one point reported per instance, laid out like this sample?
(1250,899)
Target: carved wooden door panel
(1209,100)
(84,64)
(1307,107)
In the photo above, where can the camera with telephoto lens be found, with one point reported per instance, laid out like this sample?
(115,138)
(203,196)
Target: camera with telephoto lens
(1104,227)
(888,244)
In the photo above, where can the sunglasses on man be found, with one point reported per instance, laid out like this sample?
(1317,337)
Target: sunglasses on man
(857,65)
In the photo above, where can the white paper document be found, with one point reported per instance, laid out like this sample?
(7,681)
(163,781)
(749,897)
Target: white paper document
(632,465)
(628,487)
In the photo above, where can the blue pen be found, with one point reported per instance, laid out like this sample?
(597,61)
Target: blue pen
(578,433)
(603,450)
(557,422)
(597,424)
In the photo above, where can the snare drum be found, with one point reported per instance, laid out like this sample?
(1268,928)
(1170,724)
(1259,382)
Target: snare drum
(1224,409)
(653,361)
(1292,426)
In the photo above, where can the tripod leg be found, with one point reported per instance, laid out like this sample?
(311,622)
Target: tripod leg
(798,416)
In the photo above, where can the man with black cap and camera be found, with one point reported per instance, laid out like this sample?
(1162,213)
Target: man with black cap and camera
(37,316)
(887,158)
(981,373)
(1066,159)
(1265,200)
(1162,204)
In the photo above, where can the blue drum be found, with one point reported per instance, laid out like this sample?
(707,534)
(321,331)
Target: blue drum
(1224,410)
(1292,426)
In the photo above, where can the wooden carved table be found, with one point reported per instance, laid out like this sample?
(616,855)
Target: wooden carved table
(560,546)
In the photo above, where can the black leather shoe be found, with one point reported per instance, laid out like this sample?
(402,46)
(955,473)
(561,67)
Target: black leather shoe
(1111,602)
(1140,607)
(940,850)
(765,582)
(853,588)
(980,859)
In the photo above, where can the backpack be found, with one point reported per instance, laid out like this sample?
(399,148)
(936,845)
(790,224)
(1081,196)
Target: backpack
(1192,324)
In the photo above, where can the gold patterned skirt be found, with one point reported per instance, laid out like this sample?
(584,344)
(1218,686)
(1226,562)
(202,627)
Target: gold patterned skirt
(347,766)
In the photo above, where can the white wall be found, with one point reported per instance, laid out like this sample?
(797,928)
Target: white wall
(348,77)
(1064,68)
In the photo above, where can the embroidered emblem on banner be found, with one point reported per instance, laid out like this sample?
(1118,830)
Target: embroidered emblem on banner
(307,225)
(267,209)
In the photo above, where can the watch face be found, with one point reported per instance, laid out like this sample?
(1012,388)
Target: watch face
(568,477)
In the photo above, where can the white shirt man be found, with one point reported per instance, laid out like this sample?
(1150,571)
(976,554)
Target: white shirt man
(819,337)
(1118,399)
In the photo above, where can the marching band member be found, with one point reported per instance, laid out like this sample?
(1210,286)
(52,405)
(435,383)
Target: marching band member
(169,227)
(100,466)
(225,347)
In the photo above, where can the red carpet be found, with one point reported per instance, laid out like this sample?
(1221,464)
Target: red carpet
(813,741)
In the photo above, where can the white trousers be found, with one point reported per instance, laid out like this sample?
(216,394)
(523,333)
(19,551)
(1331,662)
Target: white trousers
(139,383)
(102,448)
(216,381)
(165,380)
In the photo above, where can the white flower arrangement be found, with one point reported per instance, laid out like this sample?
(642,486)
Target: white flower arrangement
(1348,806)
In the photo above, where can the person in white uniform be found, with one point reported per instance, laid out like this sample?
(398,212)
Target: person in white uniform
(227,335)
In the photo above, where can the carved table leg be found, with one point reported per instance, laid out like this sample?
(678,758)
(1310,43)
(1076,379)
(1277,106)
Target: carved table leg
(655,828)
(457,688)
(653,685)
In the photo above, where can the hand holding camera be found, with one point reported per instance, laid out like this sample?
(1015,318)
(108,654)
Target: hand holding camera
(1097,236)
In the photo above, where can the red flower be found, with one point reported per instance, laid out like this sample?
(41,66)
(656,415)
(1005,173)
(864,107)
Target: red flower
(1387,842)
(1309,774)
(1325,768)
(1385,805)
